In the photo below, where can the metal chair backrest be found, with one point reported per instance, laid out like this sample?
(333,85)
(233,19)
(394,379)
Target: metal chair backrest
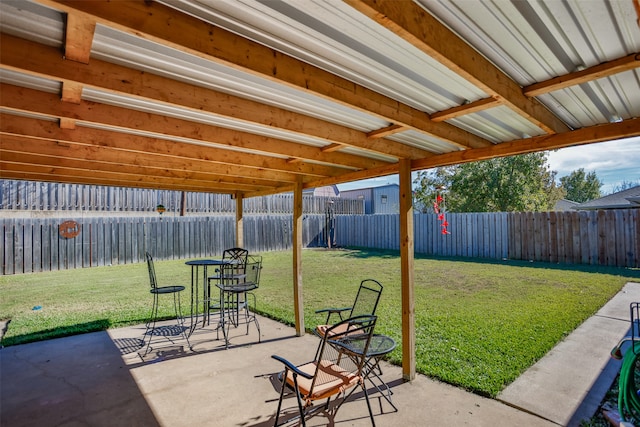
(236,274)
(237,255)
(252,269)
(367,298)
(152,271)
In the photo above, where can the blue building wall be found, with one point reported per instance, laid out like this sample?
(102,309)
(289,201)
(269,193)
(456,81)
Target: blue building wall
(377,200)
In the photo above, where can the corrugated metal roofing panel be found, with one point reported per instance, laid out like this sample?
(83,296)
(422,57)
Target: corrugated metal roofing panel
(30,81)
(537,41)
(529,41)
(337,38)
(32,21)
(498,124)
(420,140)
(121,48)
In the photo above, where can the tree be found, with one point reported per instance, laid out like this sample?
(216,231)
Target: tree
(580,186)
(515,183)
(624,185)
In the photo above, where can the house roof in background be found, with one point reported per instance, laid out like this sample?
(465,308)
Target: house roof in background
(626,199)
(376,187)
(564,205)
(253,97)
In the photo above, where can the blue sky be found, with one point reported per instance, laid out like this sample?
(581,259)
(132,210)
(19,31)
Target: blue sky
(613,162)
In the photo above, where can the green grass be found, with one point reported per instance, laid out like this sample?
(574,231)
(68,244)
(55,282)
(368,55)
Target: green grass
(479,324)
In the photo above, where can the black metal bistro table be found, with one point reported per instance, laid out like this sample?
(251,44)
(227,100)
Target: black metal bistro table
(199,271)
(379,346)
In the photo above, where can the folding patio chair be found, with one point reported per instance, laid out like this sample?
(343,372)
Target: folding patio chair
(366,302)
(336,370)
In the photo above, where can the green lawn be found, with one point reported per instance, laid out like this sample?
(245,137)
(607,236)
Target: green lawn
(479,324)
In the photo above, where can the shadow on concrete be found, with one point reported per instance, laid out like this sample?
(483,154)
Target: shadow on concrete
(76,380)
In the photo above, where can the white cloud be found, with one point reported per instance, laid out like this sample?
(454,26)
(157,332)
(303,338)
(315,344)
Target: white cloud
(613,161)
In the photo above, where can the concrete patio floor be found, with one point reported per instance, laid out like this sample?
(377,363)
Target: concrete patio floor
(99,379)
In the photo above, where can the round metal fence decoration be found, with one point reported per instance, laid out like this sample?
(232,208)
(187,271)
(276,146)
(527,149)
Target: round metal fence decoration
(69,229)
(160,209)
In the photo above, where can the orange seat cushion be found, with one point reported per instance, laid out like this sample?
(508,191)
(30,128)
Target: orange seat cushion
(331,379)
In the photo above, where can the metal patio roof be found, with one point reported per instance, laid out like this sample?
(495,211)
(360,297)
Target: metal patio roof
(250,97)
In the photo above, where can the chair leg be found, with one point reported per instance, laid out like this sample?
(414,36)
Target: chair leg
(366,396)
(284,385)
(179,318)
(151,324)
(298,398)
(251,315)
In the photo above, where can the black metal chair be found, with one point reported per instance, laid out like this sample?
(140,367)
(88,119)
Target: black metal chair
(156,291)
(236,287)
(238,258)
(366,302)
(336,370)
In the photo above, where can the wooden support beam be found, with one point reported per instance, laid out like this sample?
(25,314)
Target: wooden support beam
(407,273)
(239,221)
(132,121)
(298,306)
(71,92)
(103,145)
(31,100)
(598,133)
(44,61)
(462,110)
(79,33)
(67,123)
(599,71)
(203,39)
(331,147)
(389,130)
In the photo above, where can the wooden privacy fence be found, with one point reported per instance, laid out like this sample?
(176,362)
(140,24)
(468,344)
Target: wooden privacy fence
(18,195)
(583,237)
(587,237)
(34,245)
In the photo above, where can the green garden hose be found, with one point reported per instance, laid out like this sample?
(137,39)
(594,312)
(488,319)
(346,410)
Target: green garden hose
(628,399)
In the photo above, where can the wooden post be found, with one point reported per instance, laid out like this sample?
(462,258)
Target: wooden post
(406,272)
(183,203)
(239,224)
(297,259)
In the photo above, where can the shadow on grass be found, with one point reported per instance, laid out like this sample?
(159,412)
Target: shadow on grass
(59,332)
(361,253)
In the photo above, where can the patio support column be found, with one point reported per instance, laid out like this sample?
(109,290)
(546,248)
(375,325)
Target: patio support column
(406,272)
(239,223)
(297,258)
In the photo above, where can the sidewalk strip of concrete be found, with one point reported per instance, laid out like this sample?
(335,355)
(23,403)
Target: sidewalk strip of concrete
(568,383)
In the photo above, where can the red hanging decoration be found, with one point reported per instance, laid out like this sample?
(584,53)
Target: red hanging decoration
(439,207)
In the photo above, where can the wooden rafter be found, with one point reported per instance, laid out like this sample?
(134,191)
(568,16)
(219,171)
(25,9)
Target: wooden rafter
(188,34)
(23,99)
(599,133)
(470,108)
(79,37)
(45,61)
(599,71)
(144,151)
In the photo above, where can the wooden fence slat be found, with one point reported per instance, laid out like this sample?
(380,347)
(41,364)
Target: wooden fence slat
(604,238)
